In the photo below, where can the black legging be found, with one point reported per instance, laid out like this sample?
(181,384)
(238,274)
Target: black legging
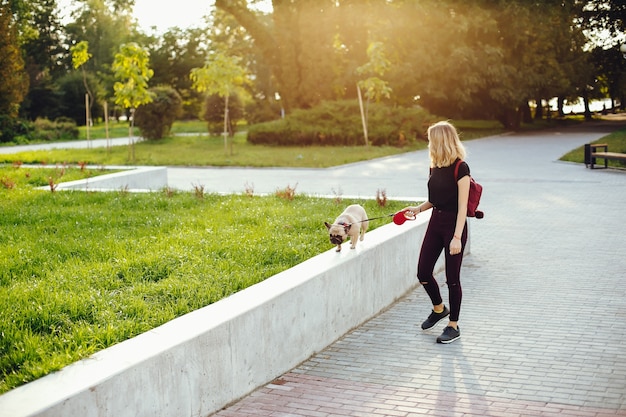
(439,233)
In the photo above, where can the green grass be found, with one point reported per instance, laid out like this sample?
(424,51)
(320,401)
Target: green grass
(210,151)
(19,176)
(202,150)
(120,129)
(82,271)
(616,142)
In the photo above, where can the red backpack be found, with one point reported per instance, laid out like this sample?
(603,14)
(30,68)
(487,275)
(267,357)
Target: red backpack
(475,192)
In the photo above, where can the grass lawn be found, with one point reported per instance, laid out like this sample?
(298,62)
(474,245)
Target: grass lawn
(81,271)
(616,142)
(202,150)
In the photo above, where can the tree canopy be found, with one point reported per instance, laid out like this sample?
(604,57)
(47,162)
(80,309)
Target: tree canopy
(480,59)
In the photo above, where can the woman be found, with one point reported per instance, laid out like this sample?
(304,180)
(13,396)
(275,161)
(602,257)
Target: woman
(447,228)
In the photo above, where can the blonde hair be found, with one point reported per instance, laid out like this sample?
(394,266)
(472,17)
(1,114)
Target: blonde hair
(444,145)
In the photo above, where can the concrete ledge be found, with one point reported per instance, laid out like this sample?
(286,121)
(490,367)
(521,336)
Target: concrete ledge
(140,178)
(199,363)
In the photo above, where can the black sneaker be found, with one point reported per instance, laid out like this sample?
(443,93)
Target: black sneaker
(449,335)
(434,318)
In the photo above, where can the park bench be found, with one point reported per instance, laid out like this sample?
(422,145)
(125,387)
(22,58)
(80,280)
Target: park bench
(595,151)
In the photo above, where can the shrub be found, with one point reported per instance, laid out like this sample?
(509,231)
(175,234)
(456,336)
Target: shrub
(155,119)
(213,113)
(338,123)
(62,128)
(14,130)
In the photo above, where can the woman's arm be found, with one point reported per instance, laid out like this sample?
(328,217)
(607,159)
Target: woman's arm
(422,207)
(461,216)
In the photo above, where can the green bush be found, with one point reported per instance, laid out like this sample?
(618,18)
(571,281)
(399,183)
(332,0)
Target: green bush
(14,130)
(213,113)
(338,123)
(62,128)
(155,119)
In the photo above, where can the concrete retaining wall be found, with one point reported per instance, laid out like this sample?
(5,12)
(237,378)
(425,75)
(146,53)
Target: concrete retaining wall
(141,178)
(198,363)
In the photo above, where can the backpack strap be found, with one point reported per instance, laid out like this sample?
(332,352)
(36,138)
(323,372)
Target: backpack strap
(456,169)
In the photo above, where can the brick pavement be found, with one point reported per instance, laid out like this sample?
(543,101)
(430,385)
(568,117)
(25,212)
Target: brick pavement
(543,317)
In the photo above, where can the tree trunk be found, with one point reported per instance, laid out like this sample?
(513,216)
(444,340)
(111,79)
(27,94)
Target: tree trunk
(510,118)
(539,109)
(263,39)
(560,103)
(363,117)
(586,101)
(131,139)
(226,125)
(525,110)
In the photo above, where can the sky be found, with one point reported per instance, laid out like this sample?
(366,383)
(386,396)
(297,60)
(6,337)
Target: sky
(165,14)
(168,13)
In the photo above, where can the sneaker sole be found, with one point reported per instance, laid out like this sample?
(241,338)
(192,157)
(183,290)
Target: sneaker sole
(445,342)
(435,323)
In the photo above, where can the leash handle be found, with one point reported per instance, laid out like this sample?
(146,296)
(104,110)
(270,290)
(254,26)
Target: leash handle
(402,216)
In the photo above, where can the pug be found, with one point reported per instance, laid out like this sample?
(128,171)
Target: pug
(352,222)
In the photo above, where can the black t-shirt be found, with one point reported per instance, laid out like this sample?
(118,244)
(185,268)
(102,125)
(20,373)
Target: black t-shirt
(443,191)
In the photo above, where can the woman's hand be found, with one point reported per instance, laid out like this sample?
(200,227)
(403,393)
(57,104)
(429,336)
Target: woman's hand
(455,246)
(410,212)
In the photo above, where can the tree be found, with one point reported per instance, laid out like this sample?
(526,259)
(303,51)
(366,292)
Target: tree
(213,113)
(297,45)
(375,88)
(131,69)
(14,84)
(172,56)
(599,16)
(43,54)
(104,25)
(80,55)
(221,75)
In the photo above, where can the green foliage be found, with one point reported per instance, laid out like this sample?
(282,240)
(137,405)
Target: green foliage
(80,272)
(60,129)
(131,68)
(80,54)
(213,113)
(14,80)
(172,56)
(374,87)
(221,75)
(13,130)
(339,124)
(155,119)
(72,96)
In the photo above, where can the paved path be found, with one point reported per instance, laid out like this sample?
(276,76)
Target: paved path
(544,312)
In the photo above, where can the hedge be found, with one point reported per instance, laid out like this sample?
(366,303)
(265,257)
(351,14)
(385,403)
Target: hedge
(338,123)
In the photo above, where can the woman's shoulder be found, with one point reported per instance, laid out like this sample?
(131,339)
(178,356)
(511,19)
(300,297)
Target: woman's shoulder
(463,169)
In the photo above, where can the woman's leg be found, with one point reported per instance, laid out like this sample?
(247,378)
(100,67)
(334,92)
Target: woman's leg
(432,246)
(453,277)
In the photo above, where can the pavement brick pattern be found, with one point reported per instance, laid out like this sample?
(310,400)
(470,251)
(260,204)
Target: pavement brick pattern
(543,320)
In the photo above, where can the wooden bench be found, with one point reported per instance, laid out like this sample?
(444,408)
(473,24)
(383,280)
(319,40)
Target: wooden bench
(595,151)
